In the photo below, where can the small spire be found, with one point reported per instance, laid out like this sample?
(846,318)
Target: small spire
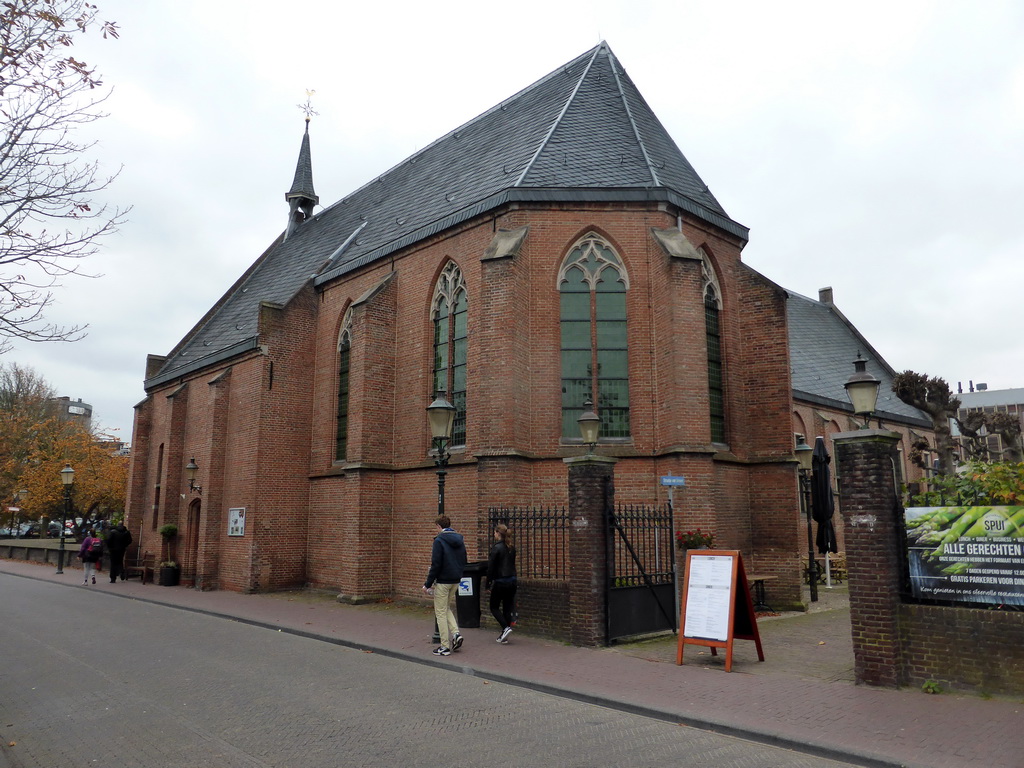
(302,197)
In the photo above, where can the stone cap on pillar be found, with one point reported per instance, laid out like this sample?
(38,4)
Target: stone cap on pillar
(867,435)
(590,458)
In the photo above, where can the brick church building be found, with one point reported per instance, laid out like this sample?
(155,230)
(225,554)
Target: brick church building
(556,248)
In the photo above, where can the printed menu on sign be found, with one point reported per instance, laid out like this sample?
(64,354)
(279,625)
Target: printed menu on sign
(709,597)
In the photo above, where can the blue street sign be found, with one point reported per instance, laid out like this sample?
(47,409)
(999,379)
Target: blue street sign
(670,480)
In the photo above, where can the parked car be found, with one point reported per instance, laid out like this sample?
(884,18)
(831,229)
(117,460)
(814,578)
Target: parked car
(53,530)
(20,531)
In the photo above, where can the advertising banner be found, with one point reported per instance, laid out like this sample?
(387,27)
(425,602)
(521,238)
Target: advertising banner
(967,554)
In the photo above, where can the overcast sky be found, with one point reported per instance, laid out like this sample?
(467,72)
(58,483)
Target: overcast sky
(874,147)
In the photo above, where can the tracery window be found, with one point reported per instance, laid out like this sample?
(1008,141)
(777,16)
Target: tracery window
(593,284)
(716,380)
(344,352)
(450,311)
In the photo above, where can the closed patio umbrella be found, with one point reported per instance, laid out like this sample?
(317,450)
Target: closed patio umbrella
(822,502)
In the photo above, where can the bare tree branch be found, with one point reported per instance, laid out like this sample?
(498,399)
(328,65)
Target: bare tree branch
(49,222)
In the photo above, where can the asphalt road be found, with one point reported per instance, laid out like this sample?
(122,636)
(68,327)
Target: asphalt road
(88,679)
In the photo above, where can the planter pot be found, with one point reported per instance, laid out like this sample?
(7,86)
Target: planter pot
(169,576)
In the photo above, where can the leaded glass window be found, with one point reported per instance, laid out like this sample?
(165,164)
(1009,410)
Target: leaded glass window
(716,379)
(344,350)
(450,312)
(592,285)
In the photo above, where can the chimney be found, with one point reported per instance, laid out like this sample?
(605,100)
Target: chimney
(825,295)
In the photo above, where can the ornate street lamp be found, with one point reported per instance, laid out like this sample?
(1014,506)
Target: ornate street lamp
(190,472)
(590,425)
(67,477)
(862,389)
(441,416)
(805,455)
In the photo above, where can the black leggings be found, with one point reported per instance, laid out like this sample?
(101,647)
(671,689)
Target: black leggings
(503,600)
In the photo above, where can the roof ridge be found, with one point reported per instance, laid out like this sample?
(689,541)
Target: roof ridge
(632,120)
(565,108)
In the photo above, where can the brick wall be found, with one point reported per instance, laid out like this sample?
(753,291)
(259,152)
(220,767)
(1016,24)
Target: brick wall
(262,428)
(897,643)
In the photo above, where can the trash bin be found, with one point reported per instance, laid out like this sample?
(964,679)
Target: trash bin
(467,600)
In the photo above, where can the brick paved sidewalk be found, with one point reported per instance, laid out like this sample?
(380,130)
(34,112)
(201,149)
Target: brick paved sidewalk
(802,695)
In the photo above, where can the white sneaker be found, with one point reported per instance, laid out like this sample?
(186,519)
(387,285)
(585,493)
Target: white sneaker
(503,637)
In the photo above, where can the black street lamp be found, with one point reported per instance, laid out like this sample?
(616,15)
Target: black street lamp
(441,415)
(67,477)
(805,455)
(190,472)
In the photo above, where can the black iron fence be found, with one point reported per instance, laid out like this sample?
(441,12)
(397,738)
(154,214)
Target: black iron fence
(950,497)
(643,554)
(541,536)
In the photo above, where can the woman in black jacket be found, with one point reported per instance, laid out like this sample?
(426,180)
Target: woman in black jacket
(501,580)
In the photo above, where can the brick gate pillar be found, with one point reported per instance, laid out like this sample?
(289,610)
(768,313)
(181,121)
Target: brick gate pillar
(591,490)
(869,501)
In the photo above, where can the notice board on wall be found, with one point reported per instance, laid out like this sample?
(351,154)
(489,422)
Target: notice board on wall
(236,521)
(717,607)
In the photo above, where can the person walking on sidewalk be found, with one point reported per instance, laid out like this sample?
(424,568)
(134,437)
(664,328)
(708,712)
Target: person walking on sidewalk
(118,541)
(501,579)
(90,554)
(447,562)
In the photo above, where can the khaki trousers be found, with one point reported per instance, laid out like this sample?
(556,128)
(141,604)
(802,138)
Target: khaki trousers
(444,612)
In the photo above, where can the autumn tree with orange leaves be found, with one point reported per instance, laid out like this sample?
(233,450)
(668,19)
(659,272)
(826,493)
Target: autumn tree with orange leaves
(36,444)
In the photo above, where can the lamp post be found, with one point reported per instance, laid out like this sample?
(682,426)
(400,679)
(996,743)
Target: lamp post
(15,510)
(862,389)
(590,425)
(441,416)
(805,455)
(67,477)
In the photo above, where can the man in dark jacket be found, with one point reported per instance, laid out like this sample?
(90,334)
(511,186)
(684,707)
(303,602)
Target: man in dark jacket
(447,562)
(118,541)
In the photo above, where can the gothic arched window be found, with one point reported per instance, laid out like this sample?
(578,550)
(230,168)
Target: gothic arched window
(716,378)
(450,309)
(344,349)
(593,284)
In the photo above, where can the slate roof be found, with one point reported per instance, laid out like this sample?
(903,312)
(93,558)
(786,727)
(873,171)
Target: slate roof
(582,133)
(822,347)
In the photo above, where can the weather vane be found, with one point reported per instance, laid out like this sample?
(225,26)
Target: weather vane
(307,108)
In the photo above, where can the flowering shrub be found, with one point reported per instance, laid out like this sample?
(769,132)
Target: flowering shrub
(694,539)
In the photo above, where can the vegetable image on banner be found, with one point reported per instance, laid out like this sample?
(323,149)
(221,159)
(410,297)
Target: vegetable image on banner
(966,554)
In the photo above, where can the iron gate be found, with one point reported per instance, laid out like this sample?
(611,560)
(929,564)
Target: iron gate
(641,570)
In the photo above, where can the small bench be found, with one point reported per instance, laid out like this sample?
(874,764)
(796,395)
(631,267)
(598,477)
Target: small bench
(142,566)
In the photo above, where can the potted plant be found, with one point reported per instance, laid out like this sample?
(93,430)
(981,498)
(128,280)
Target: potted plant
(170,573)
(695,539)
